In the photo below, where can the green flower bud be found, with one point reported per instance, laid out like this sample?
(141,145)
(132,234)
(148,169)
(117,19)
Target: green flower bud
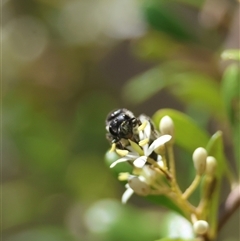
(199,160)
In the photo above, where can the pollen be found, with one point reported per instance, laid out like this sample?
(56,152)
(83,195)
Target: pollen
(136,147)
(123,176)
(113,147)
(122,152)
(143,142)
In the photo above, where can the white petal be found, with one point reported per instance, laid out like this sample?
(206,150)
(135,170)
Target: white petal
(138,186)
(124,159)
(145,149)
(158,142)
(141,135)
(147,130)
(126,195)
(140,162)
(132,155)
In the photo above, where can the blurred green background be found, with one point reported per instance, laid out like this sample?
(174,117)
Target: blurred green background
(65,65)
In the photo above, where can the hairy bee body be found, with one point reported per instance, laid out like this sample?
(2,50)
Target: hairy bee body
(122,125)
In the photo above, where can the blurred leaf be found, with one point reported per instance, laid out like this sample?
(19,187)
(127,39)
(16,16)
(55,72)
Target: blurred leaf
(191,87)
(165,202)
(187,134)
(164,17)
(233,54)
(215,149)
(198,89)
(230,90)
(157,46)
(142,87)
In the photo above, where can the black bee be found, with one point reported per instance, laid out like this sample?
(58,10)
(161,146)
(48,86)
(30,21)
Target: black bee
(122,125)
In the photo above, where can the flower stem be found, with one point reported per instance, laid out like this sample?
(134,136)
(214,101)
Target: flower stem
(171,159)
(192,187)
(154,163)
(172,168)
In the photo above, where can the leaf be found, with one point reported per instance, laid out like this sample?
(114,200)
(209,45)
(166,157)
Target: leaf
(163,16)
(230,90)
(215,149)
(145,85)
(198,90)
(187,134)
(156,45)
(233,54)
(165,202)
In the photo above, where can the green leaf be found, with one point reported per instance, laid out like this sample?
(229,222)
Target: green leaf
(187,134)
(233,54)
(215,149)
(163,16)
(198,90)
(165,202)
(230,90)
(156,45)
(145,85)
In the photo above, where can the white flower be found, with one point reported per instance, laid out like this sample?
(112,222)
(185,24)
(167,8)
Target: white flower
(135,185)
(137,155)
(140,162)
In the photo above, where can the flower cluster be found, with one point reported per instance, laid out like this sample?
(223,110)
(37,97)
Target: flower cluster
(153,169)
(149,168)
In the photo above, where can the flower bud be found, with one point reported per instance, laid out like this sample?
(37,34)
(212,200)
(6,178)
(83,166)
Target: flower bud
(138,186)
(200,227)
(211,165)
(166,126)
(199,160)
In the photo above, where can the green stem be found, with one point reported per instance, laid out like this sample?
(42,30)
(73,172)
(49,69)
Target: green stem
(192,187)
(172,168)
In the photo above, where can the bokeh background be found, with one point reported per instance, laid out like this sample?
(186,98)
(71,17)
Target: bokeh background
(65,65)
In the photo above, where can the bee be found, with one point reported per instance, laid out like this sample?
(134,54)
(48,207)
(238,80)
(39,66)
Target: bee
(122,125)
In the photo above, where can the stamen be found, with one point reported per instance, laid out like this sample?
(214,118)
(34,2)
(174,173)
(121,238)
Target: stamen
(142,126)
(113,147)
(122,152)
(123,176)
(143,142)
(136,147)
